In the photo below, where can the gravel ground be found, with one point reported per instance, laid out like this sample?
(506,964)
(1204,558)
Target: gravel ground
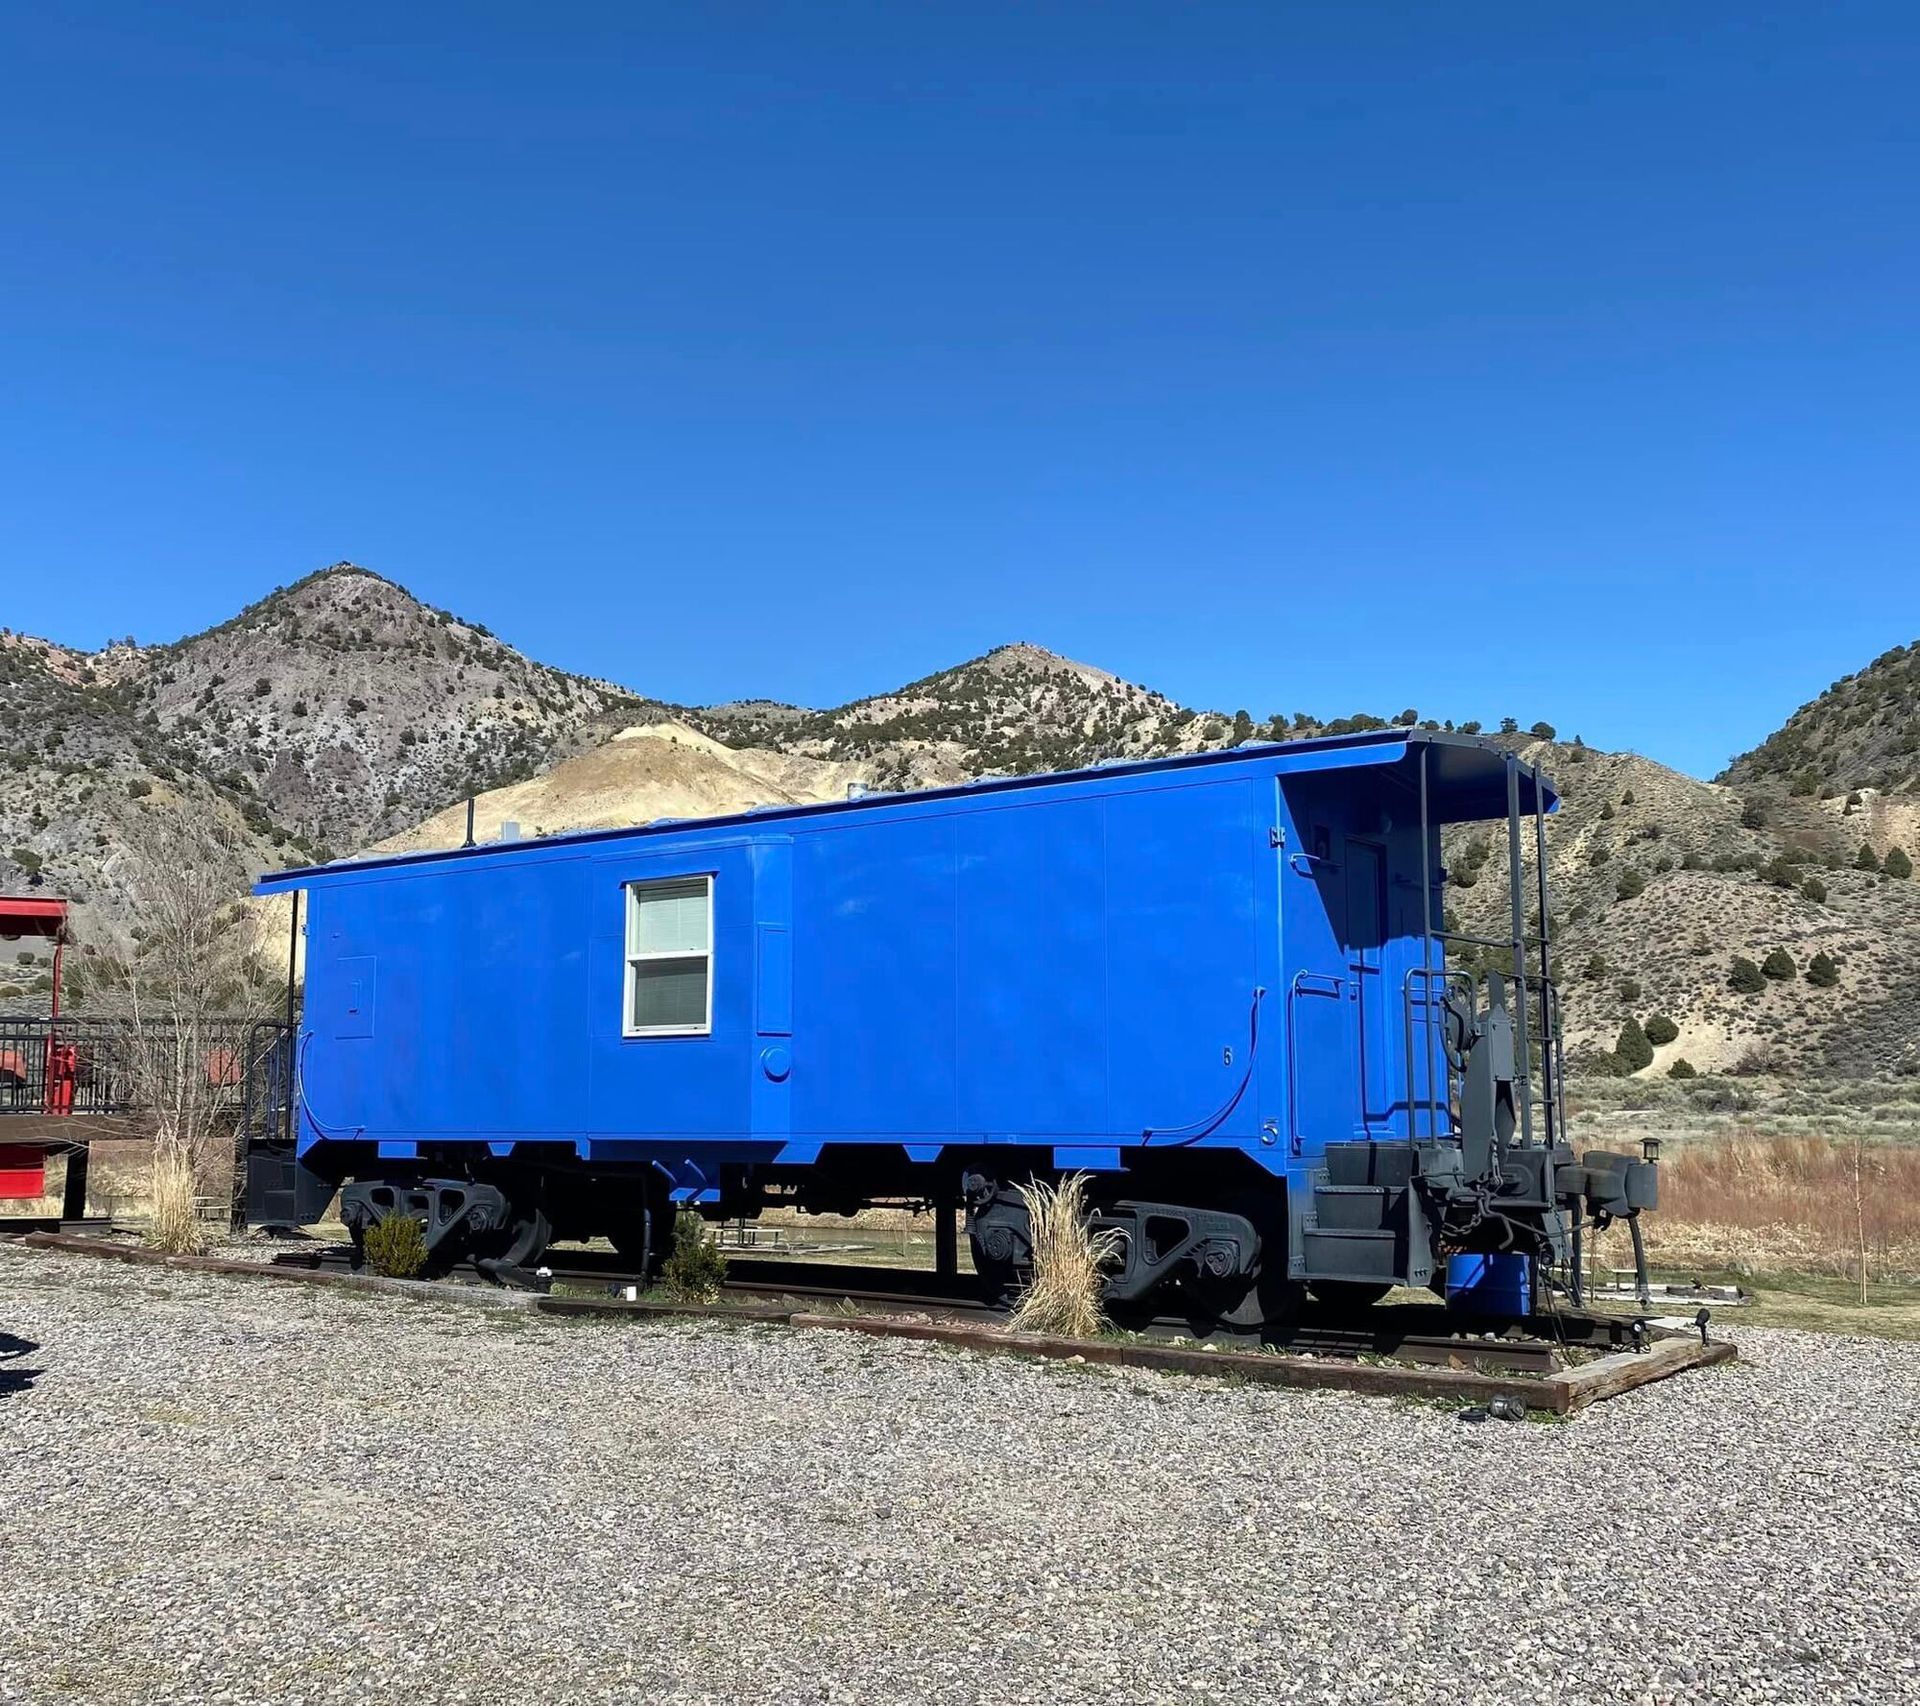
(230,1490)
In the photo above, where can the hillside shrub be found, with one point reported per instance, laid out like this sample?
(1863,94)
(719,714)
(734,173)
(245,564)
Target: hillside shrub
(1628,989)
(1598,857)
(1633,1050)
(1866,859)
(1779,966)
(1682,1068)
(1753,815)
(1822,973)
(1896,863)
(1814,890)
(1745,977)
(138,788)
(1630,886)
(1661,1030)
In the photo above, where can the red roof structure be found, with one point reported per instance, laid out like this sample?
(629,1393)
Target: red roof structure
(32,915)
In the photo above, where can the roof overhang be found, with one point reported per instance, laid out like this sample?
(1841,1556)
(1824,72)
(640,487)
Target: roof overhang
(32,915)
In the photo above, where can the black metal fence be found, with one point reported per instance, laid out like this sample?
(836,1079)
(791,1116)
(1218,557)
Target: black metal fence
(90,1067)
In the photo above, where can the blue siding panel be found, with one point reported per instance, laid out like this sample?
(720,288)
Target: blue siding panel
(1031,968)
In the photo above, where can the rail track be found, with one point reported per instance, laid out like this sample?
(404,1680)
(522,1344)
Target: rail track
(1557,1364)
(1426,1334)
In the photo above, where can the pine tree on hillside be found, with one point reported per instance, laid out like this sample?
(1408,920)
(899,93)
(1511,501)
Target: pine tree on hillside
(1745,977)
(1682,1068)
(1896,863)
(1822,973)
(1633,1051)
(1779,966)
(1661,1030)
(1866,859)
(1815,890)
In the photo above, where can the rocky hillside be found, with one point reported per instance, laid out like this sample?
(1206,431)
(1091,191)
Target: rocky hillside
(1863,732)
(1663,883)
(1017,709)
(328,714)
(81,779)
(349,709)
(651,770)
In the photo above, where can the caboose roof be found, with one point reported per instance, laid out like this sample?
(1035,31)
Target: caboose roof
(1466,778)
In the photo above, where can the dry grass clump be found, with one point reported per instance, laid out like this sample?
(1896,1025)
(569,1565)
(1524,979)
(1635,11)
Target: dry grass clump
(174,1225)
(1064,1297)
(1753,1204)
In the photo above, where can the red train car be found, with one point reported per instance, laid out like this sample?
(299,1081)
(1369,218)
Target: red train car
(38,1070)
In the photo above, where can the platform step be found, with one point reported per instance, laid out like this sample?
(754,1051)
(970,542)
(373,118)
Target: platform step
(1369,1163)
(1352,1255)
(1359,1208)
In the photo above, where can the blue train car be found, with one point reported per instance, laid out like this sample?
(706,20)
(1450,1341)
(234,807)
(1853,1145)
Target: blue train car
(1216,984)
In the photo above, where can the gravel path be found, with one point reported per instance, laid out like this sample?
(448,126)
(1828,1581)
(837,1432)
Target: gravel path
(229,1490)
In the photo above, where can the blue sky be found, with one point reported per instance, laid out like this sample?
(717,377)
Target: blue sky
(1547,360)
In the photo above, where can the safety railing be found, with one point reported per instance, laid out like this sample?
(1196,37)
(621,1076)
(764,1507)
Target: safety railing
(95,1067)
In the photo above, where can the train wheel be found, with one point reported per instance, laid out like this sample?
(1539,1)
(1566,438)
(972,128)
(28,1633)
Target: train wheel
(527,1236)
(1350,1294)
(1270,1306)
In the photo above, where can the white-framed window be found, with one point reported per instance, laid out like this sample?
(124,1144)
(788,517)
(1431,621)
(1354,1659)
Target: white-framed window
(669,982)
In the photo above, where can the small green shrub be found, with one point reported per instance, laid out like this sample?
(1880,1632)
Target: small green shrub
(1628,989)
(1779,966)
(1745,978)
(1822,973)
(1630,886)
(695,1268)
(1866,859)
(1682,1068)
(396,1246)
(1661,1030)
(1896,863)
(1814,890)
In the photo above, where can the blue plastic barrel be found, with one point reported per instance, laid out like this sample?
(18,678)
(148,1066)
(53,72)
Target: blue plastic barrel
(1490,1285)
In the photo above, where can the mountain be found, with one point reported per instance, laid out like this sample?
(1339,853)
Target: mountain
(1863,732)
(348,708)
(1018,708)
(341,713)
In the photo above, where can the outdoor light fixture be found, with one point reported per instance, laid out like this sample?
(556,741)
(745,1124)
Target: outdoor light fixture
(1650,1148)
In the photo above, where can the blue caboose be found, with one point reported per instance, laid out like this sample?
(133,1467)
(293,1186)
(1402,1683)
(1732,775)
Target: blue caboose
(1217,984)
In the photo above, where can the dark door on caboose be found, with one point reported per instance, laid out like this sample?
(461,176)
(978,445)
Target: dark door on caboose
(1366,934)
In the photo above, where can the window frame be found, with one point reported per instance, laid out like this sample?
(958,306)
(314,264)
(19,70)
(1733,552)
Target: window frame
(631,892)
